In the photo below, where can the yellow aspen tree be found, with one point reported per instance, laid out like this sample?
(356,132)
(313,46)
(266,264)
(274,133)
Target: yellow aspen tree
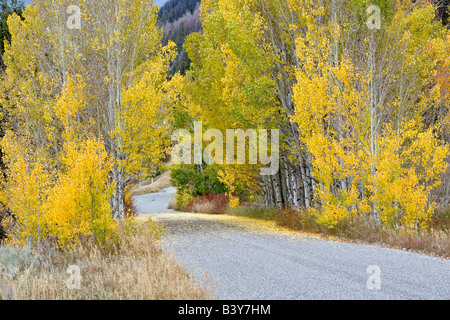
(124,35)
(147,114)
(114,53)
(25,192)
(63,196)
(371,151)
(79,200)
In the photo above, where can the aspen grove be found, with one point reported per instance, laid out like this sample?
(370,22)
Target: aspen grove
(362,111)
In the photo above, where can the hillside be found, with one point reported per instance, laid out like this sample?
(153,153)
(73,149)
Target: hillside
(179,18)
(175,9)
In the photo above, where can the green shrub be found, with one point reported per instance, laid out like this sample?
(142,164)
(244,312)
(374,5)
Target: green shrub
(183,198)
(197,181)
(193,181)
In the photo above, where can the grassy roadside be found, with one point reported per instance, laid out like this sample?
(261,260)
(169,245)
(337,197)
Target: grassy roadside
(133,267)
(435,241)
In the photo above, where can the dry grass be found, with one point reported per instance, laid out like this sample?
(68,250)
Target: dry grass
(202,207)
(160,182)
(135,267)
(172,204)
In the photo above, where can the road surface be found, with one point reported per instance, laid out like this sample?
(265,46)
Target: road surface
(151,203)
(251,259)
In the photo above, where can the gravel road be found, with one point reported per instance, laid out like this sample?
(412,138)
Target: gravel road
(256,260)
(151,203)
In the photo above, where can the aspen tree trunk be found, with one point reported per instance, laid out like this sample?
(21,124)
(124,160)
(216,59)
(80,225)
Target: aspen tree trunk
(277,24)
(114,55)
(265,192)
(295,191)
(270,190)
(276,184)
(282,179)
(300,188)
(306,184)
(290,198)
(118,198)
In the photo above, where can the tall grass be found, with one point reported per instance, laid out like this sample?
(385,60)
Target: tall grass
(133,267)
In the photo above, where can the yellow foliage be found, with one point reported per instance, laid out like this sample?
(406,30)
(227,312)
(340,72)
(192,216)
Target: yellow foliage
(25,191)
(234,201)
(85,107)
(147,114)
(79,201)
(63,203)
(368,158)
